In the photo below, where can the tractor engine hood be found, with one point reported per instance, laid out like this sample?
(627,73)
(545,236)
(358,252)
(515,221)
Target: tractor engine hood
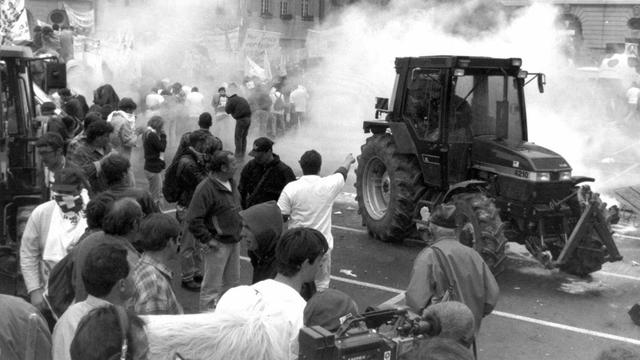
(519,159)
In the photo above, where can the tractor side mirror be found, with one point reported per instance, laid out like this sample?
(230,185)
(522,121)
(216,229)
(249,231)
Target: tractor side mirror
(542,81)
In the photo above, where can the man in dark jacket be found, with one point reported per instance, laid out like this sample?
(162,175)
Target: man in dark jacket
(214,220)
(264,177)
(239,109)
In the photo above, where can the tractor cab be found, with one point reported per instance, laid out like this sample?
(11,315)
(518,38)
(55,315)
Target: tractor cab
(445,102)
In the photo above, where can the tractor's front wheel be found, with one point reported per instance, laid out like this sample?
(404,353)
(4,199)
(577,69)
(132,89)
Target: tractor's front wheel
(388,186)
(481,228)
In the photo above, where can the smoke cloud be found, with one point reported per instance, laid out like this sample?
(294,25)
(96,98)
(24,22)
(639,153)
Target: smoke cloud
(360,46)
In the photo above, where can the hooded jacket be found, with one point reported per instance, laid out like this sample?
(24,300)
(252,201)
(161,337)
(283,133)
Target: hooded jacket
(265,221)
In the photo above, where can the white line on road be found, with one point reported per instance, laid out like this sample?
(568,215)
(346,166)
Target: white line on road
(394,300)
(566,327)
(627,236)
(400,295)
(369,285)
(628,277)
(349,229)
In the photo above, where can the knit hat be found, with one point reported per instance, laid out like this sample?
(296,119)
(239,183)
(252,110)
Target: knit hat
(456,320)
(444,216)
(327,308)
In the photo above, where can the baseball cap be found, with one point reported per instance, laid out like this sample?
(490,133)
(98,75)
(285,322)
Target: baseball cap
(327,308)
(261,144)
(444,216)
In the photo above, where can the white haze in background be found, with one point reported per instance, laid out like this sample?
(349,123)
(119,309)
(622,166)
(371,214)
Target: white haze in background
(366,40)
(359,65)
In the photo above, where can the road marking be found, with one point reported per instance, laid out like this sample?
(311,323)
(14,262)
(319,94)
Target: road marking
(394,300)
(400,295)
(369,285)
(349,229)
(566,327)
(628,277)
(627,236)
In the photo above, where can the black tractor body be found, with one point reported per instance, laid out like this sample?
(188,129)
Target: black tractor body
(455,130)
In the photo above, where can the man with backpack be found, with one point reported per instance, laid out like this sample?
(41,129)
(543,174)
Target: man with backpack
(186,171)
(449,270)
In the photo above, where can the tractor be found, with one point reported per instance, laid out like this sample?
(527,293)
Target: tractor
(455,131)
(21,175)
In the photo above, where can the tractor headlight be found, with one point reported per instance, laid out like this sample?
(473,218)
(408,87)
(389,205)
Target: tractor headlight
(565,175)
(543,176)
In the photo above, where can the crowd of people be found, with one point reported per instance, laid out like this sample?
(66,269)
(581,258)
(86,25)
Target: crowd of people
(96,255)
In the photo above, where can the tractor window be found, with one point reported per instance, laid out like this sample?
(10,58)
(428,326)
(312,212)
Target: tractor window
(422,104)
(491,107)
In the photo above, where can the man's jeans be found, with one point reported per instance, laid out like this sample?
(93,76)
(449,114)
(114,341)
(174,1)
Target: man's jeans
(240,136)
(155,185)
(221,273)
(190,259)
(323,276)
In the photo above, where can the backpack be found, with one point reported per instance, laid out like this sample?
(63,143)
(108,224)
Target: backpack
(279,104)
(60,291)
(170,188)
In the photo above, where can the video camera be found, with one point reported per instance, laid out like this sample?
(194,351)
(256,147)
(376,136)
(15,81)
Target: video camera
(376,334)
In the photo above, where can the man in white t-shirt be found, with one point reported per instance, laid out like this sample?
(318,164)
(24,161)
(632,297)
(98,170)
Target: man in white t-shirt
(632,102)
(308,201)
(299,255)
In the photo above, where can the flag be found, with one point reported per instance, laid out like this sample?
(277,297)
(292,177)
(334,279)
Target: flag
(253,69)
(267,67)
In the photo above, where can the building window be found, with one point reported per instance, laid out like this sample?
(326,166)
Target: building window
(284,8)
(305,8)
(265,6)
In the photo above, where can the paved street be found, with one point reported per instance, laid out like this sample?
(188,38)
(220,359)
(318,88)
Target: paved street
(541,314)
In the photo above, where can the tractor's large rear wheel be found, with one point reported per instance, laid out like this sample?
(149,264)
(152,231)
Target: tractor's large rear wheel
(388,188)
(481,228)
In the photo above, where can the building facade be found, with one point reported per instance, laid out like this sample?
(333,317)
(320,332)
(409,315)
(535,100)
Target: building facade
(594,27)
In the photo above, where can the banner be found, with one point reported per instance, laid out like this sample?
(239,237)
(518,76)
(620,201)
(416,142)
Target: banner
(80,19)
(256,42)
(13,21)
(219,40)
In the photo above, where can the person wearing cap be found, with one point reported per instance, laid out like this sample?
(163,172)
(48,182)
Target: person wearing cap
(307,202)
(264,176)
(329,309)
(450,267)
(124,136)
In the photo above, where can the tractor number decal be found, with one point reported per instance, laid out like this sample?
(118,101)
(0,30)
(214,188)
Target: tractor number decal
(522,173)
(431,159)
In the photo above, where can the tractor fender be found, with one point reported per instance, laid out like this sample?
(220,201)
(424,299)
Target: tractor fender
(580,179)
(457,187)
